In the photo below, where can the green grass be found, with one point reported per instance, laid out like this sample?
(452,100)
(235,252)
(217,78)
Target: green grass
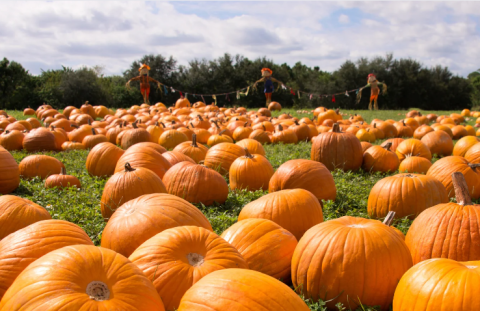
(82,206)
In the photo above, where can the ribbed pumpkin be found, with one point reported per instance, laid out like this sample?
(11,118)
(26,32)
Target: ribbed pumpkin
(266,247)
(406,195)
(17,213)
(140,219)
(39,140)
(62,180)
(473,154)
(221,156)
(174,157)
(72,145)
(380,159)
(304,174)
(447,230)
(387,128)
(250,172)
(422,131)
(50,283)
(26,245)
(442,171)
(395,143)
(439,284)
(337,150)
(113,133)
(144,155)
(94,139)
(413,147)
(242,132)
(219,138)
(439,143)
(179,257)
(127,185)
(196,183)
(415,165)
(241,290)
(12,140)
(102,159)
(171,138)
(253,146)
(9,172)
(459,131)
(39,166)
(196,152)
(366,135)
(155,131)
(365,146)
(285,136)
(296,210)
(135,136)
(332,254)
(464,144)
(261,135)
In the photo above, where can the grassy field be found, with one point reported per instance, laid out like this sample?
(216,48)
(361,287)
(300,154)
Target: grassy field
(83,206)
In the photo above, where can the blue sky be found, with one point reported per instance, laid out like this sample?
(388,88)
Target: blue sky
(46,35)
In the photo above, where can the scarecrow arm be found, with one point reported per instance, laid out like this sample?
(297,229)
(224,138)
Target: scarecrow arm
(359,95)
(383,86)
(150,79)
(278,81)
(256,82)
(132,79)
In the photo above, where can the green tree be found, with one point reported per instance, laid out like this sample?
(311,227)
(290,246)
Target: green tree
(12,75)
(82,85)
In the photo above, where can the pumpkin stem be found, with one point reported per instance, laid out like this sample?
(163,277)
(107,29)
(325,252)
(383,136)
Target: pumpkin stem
(200,117)
(191,124)
(296,122)
(248,154)
(129,168)
(336,128)
(134,124)
(389,219)
(194,140)
(280,127)
(264,128)
(474,166)
(89,122)
(7,131)
(374,125)
(461,189)
(216,124)
(388,146)
(163,124)
(156,123)
(221,132)
(74,126)
(63,171)
(403,122)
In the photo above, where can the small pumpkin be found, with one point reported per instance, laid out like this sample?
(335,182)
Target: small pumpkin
(171,138)
(144,155)
(196,152)
(253,146)
(62,180)
(380,159)
(94,139)
(250,172)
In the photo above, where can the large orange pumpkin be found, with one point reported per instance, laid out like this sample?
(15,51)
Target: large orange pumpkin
(251,172)
(135,136)
(12,140)
(140,219)
(253,146)
(26,245)
(442,171)
(82,277)
(102,159)
(39,166)
(337,150)
(9,172)
(144,155)
(17,213)
(174,157)
(415,165)
(439,284)
(221,156)
(464,144)
(439,143)
(179,257)
(171,138)
(447,230)
(332,254)
(266,247)
(38,140)
(128,185)
(412,147)
(196,183)
(406,195)
(296,210)
(240,290)
(304,174)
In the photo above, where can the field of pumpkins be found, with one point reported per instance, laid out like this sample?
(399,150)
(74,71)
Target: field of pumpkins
(197,207)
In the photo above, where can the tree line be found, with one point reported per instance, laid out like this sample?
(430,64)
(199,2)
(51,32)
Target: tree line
(410,84)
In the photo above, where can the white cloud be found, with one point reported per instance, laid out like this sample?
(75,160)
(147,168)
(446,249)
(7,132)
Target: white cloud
(344,19)
(48,34)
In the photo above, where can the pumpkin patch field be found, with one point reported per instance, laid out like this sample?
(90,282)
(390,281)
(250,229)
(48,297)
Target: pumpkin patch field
(195,207)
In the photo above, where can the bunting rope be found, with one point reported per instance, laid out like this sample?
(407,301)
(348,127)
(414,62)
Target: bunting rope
(244,91)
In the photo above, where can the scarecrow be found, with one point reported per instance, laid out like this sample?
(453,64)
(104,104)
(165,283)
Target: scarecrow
(144,82)
(374,90)
(268,83)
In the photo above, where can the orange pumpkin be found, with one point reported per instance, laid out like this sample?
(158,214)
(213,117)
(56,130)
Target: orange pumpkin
(241,290)
(296,210)
(221,156)
(405,194)
(304,174)
(439,284)
(221,137)
(442,171)
(327,257)
(39,166)
(49,283)
(193,150)
(380,159)
(266,247)
(464,144)
(26,245)
(196,183)
(395,143)
(171,138)
(140,219)
(447,230)
(174,157)
(365,146)
(62,180)
(337,150)
(144,155)
(102,159)
(253,146)
(183,255)
(10,173)
(413,147)
(12,140)
(251,172)
(415,165)
(439,143)
(38,140)
(127,185)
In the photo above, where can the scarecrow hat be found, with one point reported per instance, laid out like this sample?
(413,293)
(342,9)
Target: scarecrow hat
(372,75)
(143,66)
(266,72)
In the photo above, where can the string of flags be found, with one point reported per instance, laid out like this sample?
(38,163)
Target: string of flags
(244,92)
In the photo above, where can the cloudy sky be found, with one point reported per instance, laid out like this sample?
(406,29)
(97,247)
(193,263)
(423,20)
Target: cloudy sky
(46,35)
